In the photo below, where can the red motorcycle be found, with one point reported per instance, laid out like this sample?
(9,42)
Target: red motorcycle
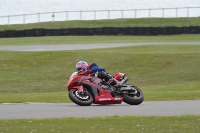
(85,90)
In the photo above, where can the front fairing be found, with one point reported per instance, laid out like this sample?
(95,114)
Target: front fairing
(76,80)
(72,77)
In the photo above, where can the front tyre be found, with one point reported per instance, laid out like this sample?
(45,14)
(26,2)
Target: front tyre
(133,97)
(81,98)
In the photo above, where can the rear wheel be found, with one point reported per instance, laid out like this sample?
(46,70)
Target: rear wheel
(133,97)
(81,98)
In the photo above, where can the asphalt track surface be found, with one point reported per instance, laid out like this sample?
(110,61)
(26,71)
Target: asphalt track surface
(59,47)
(60,110)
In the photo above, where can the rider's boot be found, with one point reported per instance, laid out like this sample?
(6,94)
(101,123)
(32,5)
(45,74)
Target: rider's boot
(113,82)
(116,86)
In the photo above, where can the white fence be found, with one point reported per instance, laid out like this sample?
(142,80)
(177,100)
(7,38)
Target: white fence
(100,14)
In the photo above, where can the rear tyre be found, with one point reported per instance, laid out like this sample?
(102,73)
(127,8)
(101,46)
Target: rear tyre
(83,99)
(133,98)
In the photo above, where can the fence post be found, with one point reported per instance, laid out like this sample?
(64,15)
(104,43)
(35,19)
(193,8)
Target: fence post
(122,14)
(163,12)
(38,17)
(176,12)
(135,13)
(53,16)
(66,15)
(80,15)
(187,11)
(108,14)
(94,14)
(149,13)
(24,19)
(8,21)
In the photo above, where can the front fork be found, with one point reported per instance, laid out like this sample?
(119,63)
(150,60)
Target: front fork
(79,88)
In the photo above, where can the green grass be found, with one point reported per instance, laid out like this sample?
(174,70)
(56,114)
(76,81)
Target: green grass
(25,97)
(114,124)
(163,72)
(96,39)
(109,23)
(169,72)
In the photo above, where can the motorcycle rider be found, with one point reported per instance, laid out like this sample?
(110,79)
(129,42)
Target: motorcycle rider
(84,69)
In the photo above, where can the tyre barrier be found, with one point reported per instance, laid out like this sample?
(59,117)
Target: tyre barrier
(74,31)
(10,33)
(83,32)
(139,30)
(99,31)
(91,31)
(123,31)
(170,30)
(146,31)
(178,30)
(185,30)
(163,31)
(38,32)
(19,33)
(114,31)
(65,32)
(131,31)
(194,29)
(107,31)
(56,32)
(2,34)
(29,33)
(48,32)
(155,31)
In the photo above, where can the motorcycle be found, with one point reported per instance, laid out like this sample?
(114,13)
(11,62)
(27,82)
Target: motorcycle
(86,90)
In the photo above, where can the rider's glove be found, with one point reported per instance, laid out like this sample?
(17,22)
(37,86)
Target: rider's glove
(86,72)
(109,76)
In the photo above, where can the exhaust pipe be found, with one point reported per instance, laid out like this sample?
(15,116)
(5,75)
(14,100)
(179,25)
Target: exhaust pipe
(123,81)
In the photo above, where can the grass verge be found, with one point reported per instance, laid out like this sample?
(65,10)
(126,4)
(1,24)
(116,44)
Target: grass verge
(163,72)
(151,22)
(96,39)
(114,124)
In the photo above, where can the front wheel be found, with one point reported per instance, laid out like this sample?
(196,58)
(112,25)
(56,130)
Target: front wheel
(133,97)
(81,98)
